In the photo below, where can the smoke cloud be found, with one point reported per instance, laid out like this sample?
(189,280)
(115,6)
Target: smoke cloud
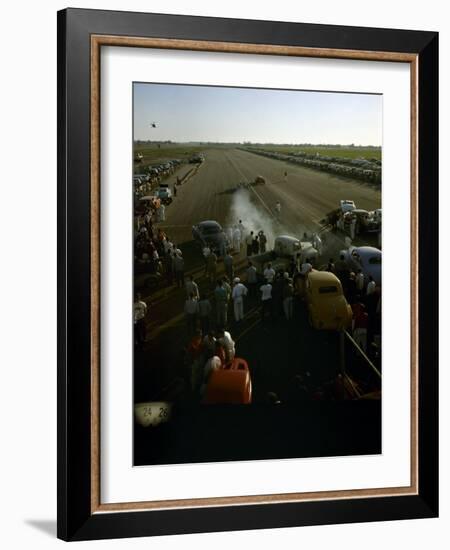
(254,217)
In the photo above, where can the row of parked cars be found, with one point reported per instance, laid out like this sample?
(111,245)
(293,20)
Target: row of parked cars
(367,170)
(153,174)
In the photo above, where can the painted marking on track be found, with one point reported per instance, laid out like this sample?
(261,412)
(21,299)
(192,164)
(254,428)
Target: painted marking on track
(250,187)
(248,329)
(160,328)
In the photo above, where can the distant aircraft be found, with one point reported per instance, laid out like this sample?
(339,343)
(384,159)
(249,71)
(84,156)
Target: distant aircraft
(153,125)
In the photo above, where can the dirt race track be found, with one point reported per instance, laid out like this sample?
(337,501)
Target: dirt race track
(305,195)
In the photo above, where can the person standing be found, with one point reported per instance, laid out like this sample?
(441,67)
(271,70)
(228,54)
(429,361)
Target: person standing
(178,267)
(191,287)
(278,211)
(262,242)
(249,243)
(224,338)
(269,273)
(228,265)
(191,312)
(288,297)
(331,267)
(285,176)
(212,364)
(206,252)
(139,312)
(223,246)
(237,239)
(359,282)
(360,323)
(317,243)
(161,212)
(255,245)
(252,279)
(204,313)
(342,270)
(371,285)
(239,291)
(227,287)
(209,343)
(306,267)
(277,294)
(266,300)
(351,288)
(212,267)
(221,299)
(353,228)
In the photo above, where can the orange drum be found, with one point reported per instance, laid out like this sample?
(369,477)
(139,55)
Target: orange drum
(231,384)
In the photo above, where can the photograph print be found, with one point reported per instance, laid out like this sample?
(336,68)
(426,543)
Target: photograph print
(257,227)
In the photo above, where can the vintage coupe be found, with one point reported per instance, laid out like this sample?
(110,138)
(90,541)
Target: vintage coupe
(210,233)
(365,258)
(327,306)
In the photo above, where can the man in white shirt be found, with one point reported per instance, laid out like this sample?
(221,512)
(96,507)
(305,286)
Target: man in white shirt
(191,288)
(266,299)
(237,239)
(224,338)
(269,273)
(191,311)
(370,286)
(359,282)
(239,291)
(306,267)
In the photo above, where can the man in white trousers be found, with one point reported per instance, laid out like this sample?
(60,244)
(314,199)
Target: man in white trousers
(239,291)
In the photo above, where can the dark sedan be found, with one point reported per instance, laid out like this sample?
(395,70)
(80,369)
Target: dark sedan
(210,233)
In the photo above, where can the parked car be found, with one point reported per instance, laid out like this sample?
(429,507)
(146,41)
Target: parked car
(196,159)
(347,205)
(365,258)
(164,193)
(366,222)
(285,249)
(143,177)
(327,306)
(210,233)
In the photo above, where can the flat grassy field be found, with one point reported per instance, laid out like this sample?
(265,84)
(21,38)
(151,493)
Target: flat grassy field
(154,154)
(345,152)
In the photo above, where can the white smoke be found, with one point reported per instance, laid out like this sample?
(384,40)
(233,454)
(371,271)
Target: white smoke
(254,217)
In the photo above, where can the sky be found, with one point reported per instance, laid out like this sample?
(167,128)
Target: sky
(221,114)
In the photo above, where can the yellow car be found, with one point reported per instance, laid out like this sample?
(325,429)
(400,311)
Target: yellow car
(327,307)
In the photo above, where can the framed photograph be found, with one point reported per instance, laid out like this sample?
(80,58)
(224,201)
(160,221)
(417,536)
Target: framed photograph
(248,303)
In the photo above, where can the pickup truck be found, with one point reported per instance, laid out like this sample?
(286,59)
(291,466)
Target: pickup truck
(284,250)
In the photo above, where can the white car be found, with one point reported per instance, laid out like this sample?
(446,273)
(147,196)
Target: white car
(347,205)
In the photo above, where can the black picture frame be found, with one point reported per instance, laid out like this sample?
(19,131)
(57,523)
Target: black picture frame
(76,521)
